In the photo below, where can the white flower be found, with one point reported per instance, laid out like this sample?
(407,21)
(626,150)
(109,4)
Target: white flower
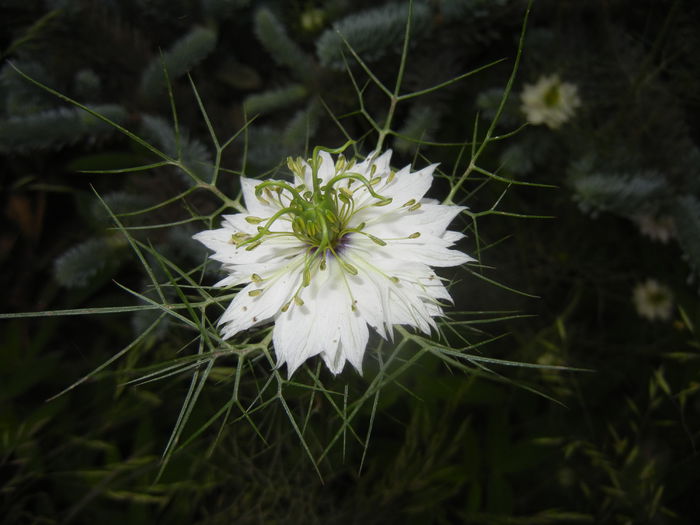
(341,247)
(549,101)
(661,228)
(653,300)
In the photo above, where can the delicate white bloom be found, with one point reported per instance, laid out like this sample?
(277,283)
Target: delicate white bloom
(341,247)
(661,228)
(549,101)
(653,300)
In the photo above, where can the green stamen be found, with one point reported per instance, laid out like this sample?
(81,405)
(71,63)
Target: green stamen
(319,215)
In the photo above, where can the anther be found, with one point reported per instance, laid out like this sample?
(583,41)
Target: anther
(237,238)
(394,279)
(414,235)
(298,301)
(253,220)
(256,278)
(253,245)
(255,293)
(376,240)
(348,267)
(414,207)
(409,203)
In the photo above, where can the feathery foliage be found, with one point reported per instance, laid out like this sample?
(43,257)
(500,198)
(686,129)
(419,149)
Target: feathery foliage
(275,99)
(686,210)
(180,58)
(273,36)
(169,423)
(372,33)
(56,128)
(86,261)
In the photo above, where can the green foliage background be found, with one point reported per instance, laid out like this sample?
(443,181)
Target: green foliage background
(617,445)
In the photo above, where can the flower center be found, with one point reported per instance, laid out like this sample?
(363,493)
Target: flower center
(319,222)
(320,215)
(552,96)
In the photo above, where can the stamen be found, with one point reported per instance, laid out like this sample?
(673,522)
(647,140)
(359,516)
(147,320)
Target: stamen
(238,238)
(255,293)
(374,239)
(348,267)
(414,235)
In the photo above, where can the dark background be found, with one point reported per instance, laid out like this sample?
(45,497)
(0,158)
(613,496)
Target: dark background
(614,444)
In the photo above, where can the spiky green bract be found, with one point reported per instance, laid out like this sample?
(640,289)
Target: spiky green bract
(371,33)
(180,58)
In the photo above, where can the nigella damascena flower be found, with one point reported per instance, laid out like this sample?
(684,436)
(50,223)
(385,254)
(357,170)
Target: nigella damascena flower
(549,101)
(653,300)
(342,247)
(658,228)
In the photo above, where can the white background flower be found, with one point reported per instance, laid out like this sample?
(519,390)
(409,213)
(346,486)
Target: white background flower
(377,271)
(653,300)
(658,228)
(549,101)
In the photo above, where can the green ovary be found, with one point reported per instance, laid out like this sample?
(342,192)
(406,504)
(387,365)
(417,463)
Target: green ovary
(552,97)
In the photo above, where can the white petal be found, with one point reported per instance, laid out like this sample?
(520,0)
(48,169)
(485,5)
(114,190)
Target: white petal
(325,324)
(327,169)
(252,203)
(290,337)
(368,301)
(246,311)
